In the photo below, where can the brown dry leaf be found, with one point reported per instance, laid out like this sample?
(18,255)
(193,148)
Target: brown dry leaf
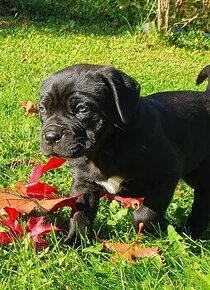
(5,23)
(30,107)
(46,205)
(20,188)
(26,205)
(17,162)
(130,251)
(20,204)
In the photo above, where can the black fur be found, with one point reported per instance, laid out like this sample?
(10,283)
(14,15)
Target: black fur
(93,115)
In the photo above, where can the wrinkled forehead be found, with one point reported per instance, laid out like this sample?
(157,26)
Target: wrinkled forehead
(66,83)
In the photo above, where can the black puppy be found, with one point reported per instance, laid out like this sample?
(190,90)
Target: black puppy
(132,146)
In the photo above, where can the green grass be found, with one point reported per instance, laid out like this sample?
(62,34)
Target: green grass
(28,53)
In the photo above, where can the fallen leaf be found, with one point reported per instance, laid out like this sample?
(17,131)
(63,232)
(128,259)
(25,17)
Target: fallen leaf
(36,227)
(47,205)
(130,251)
(14,228)
(5,238)
(22,205)
(16,162)
(41,190)
(30,107)
(40,169)
(126,201)
(26,205)
(129,201)
(5,23)
(11,213)
(20,188)
(38,190)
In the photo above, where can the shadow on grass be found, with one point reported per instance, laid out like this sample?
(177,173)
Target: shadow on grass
(89,17)
(9,25)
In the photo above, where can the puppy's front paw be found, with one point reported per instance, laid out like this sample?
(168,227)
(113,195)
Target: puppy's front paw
(80,228)
(149,218)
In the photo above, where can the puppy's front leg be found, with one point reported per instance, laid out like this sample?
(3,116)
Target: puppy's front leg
(81,222)
(152,212)
(149,217)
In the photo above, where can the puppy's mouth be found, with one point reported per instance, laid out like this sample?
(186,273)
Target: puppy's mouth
(74,153)
(77,151)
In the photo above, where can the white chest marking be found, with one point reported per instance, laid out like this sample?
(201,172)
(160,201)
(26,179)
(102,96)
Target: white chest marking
(112,185)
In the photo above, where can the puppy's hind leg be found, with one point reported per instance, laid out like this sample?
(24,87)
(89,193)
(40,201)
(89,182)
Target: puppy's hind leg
(200,215)
(198,219)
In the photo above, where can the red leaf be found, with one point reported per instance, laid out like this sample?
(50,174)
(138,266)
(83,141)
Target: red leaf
(12,213)
(41,190)
(15,229)
(37,228)
(37,190)
(13,225)
(39,170)
(126,201)
(129,201)
(5,238)
(11,221)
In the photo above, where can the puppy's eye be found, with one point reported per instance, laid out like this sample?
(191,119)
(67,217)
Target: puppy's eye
(82,109)
(42,109)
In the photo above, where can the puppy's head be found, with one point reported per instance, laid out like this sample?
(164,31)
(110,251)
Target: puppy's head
(81,106)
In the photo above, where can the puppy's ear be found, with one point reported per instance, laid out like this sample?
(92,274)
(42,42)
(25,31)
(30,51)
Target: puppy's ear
(125,91)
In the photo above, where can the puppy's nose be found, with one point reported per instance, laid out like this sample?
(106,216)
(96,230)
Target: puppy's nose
(53,137)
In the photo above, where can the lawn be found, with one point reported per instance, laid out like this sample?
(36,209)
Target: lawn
(29,51)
